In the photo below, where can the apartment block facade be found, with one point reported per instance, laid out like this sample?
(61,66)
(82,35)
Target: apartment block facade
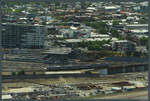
(124,45)
(23,36)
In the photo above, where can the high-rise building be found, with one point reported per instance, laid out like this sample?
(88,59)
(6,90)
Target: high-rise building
(23,36)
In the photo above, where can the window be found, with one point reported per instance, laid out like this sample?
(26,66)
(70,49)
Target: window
(82,50)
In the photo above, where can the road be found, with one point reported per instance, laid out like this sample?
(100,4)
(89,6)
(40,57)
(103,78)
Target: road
(129,95)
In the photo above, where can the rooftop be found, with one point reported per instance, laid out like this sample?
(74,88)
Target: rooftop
(6,97)
(139,31)
(58,51)
(137,25)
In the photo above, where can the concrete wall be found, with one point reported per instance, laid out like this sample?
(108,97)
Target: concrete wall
(115,70)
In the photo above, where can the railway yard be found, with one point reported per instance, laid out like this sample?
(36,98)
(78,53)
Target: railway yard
(74,50)
(99,79)
(81,87)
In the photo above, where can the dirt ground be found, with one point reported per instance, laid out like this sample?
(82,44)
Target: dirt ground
(105,80)
(127,95)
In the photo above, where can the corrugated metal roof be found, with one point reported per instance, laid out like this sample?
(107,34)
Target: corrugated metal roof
(22,90)
(6,97)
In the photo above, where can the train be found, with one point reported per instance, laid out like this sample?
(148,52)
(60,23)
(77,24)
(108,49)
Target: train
(78,67)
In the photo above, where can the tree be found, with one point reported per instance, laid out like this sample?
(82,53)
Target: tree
(128,53)
(102,31)
(83,44)
(94,45)
(99,26)
(34,73)
(114,33)
(137,54)
(13,73)
(88,72)
(143,20)
(43,23)
(144,41)
(75,45)
(22,72)
(116,22)
(57,3)
(121,38)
